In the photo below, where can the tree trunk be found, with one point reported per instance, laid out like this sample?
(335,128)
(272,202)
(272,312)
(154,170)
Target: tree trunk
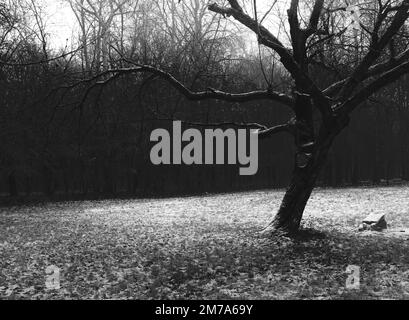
(288,219)
(289,216)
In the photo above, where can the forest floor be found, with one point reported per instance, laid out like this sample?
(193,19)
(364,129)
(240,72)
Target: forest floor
(206,248)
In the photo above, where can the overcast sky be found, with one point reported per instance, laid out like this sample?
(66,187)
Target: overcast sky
(60,22)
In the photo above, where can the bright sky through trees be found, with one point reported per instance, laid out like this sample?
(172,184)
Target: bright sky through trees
(61,21)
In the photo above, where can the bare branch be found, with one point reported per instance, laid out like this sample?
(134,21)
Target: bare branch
(372,72)
(268,39)
(375,50)
(210,93)
(12,64)
(315,17)
(283,128)
(386,79)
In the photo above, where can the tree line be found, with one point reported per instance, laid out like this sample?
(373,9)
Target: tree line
(67,128)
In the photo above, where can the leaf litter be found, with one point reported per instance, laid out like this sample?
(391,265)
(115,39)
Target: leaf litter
(206,248)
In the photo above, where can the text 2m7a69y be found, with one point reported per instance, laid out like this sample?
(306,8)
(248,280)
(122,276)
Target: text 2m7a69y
(220,309)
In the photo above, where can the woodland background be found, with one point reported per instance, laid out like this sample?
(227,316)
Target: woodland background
(62,136)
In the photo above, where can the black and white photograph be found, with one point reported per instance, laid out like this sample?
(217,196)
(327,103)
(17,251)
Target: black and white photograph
(204,156)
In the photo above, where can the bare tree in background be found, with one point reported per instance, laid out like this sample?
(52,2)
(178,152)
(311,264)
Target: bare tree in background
(96,20)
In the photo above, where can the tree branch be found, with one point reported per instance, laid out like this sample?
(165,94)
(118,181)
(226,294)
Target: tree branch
(210,93)
(386,79)
(372,72)
(315,17)
(375,50)
(266,38)
(288,128)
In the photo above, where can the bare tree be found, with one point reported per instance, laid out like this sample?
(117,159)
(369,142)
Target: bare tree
(96,20)
(320,111)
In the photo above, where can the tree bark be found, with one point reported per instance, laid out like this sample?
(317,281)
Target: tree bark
(289,216)
(288,219)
